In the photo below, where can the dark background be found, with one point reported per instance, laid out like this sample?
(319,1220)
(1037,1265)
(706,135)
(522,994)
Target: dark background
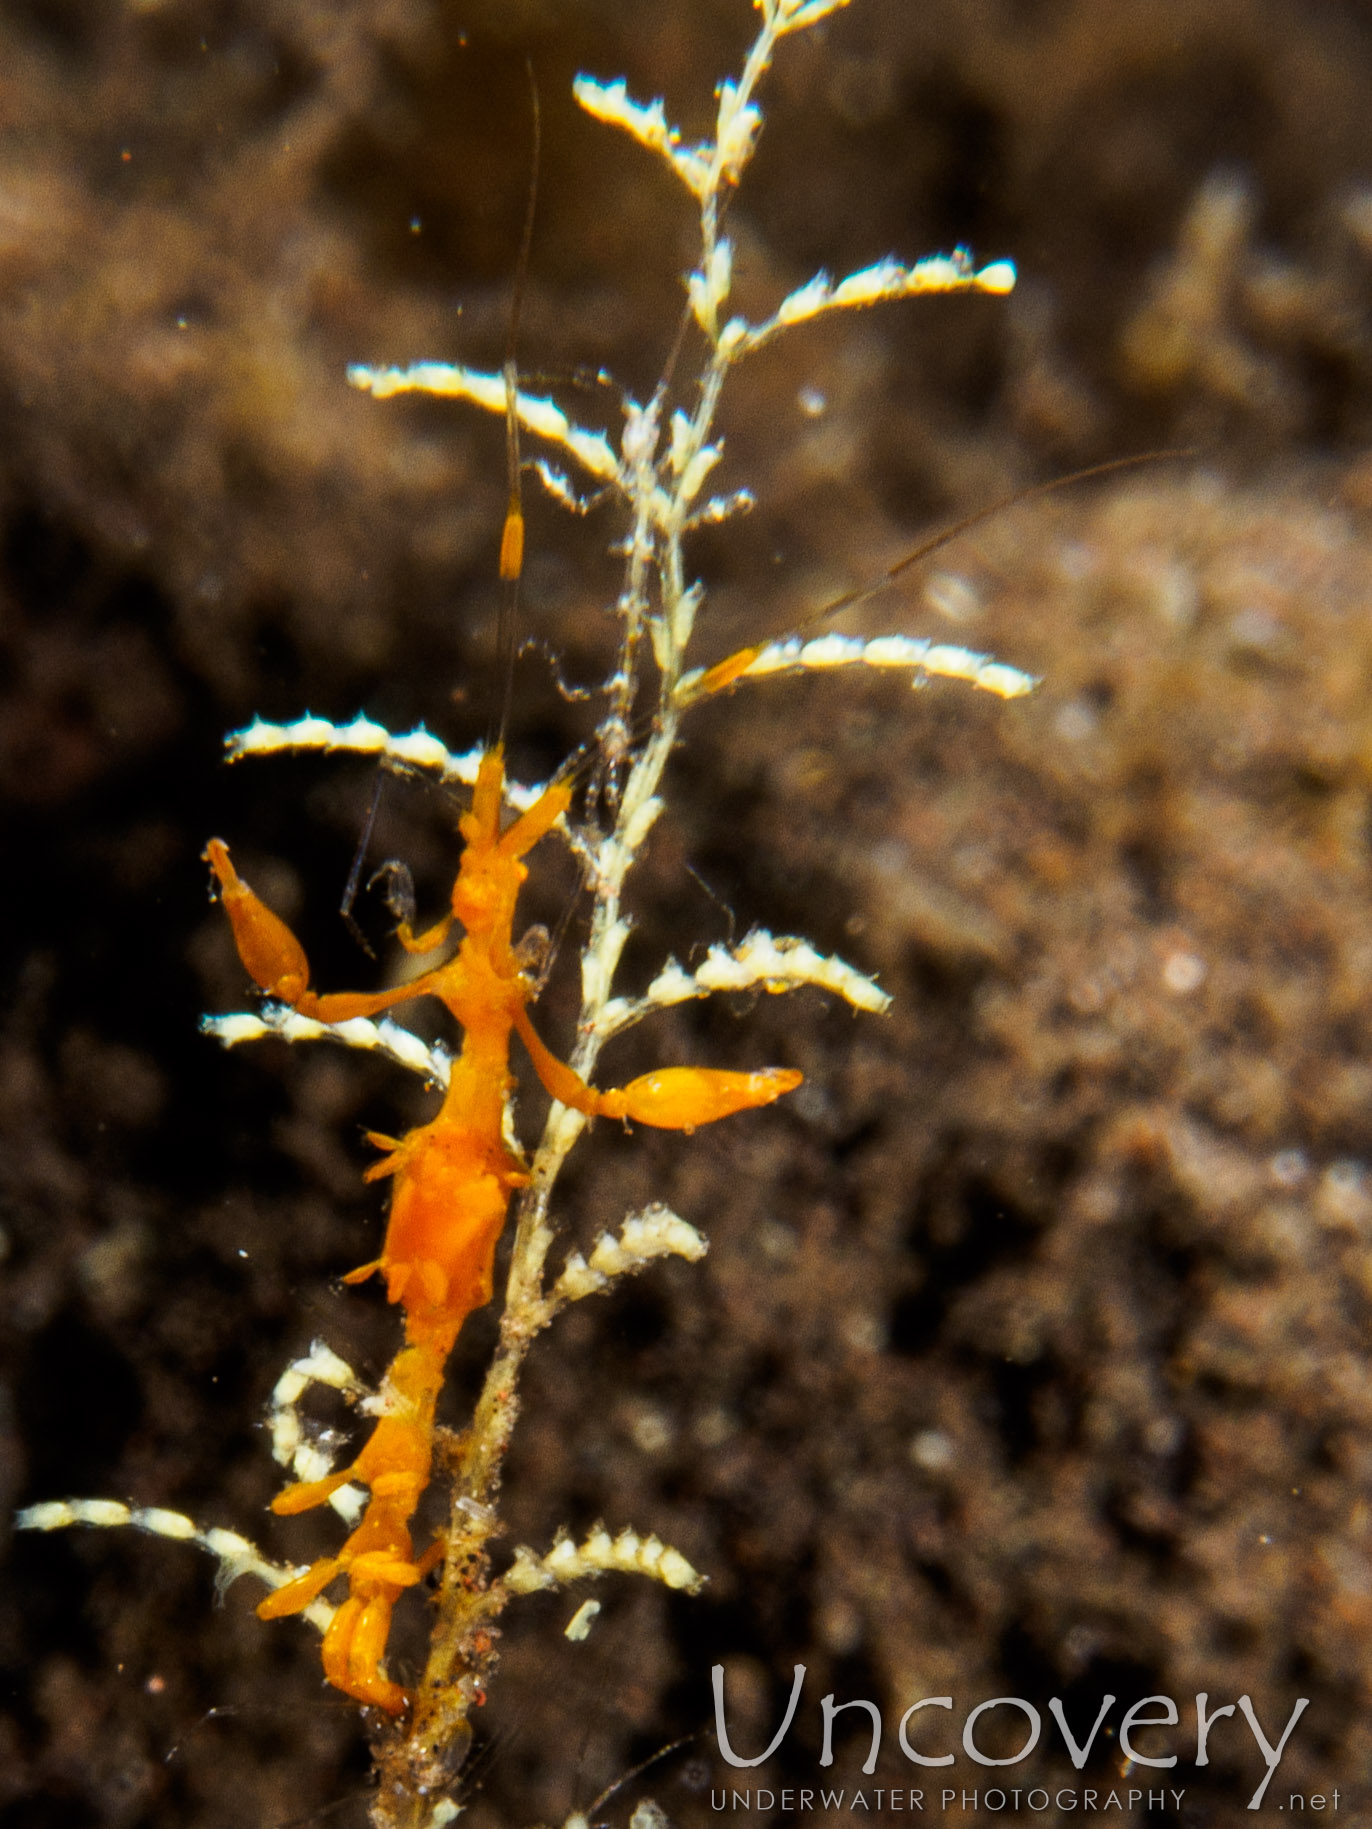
(1029,1357)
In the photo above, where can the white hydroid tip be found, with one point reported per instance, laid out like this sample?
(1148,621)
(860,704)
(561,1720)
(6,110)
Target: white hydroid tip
(1000,277)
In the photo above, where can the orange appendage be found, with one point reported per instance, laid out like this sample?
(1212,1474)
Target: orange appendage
(673,1098)
(512,545)
(679,1098)
(354,1645)
(276,961)
(726,672)
(273,957)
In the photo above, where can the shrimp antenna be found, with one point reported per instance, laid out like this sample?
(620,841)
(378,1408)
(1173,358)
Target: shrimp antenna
(1032,492)
(511,536)
(512,533)
(588,1816)
(354,883)
(727,672)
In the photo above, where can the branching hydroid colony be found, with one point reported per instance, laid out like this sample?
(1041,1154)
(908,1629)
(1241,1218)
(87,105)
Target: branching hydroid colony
(454,1177)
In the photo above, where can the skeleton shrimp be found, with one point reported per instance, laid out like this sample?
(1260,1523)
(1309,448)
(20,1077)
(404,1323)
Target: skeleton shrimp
(453,1179)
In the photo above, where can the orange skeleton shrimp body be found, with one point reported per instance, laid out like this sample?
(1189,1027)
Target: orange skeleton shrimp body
(453,1180)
